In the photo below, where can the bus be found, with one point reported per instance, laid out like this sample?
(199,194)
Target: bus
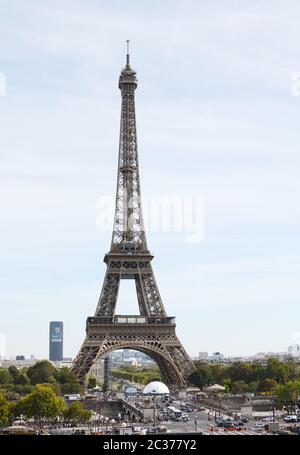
(174,413)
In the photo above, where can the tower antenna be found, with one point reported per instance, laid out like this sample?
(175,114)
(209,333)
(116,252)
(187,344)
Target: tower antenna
(127,56)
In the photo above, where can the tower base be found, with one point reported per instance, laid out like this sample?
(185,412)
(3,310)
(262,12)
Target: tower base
(154,336)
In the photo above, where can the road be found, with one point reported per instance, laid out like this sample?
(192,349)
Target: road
(204,423)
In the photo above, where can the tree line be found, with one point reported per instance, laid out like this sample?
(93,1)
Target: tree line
(276,377)
(35,393)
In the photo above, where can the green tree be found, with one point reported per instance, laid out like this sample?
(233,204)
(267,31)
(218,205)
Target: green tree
(68,381)
(22,379)
(287,394)
(72,387)
(218,373)
(23,389)
(41,372)
(4,410)
(267,385)
(76,413)
(92,382)
(14,372)
(41,404)
(253,386)
(5,376)
(202,376)
(276,369)
(65,376)
(227,384)
(240,371)
(238,387)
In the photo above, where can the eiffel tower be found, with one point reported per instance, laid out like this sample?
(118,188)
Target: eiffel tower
(152,331)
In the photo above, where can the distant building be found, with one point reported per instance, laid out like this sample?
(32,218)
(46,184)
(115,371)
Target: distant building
(56,340)
(217,357)
(203,356)
(19,361)
(294,350)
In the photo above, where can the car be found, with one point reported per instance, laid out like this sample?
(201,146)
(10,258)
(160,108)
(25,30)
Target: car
(151,430)
(185,417)
(232,428)
(239,423)
(244,419)
(220,423)
(229,425)
(268,419)
(259,426)
(290,419)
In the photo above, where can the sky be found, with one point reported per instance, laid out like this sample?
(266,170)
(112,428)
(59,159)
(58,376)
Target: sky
(217,119)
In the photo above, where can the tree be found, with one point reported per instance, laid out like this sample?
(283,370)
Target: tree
(91,382)
(72,387)
(253,386)
(22,379)
(258,372)
(42,403)
(68,381)
(276,369)
(65,376)
(14,372)
(238,387)
(23,389)
(287,394)
(218,373)
(76,413)
(5,376)
(240,371)
(41,372)
(267,385)
(202,376)
(227,384)
(4,410)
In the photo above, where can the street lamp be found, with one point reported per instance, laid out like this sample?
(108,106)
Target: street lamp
(154,412)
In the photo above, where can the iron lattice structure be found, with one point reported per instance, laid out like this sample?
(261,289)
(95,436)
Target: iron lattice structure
(151,332)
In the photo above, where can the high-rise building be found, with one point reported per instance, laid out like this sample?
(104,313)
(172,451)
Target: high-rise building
(56,336)
(217,357)
(20,357)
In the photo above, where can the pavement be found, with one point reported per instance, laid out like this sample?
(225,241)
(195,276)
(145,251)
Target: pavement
(206,424)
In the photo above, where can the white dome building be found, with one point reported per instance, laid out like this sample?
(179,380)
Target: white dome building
(156,388)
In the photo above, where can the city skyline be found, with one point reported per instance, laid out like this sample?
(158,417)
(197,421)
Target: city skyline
(223,125)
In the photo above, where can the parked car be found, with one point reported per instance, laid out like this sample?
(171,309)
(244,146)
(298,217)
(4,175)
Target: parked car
(239,423)
(259,426)
(268,419)
(244,419)
(291,419)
